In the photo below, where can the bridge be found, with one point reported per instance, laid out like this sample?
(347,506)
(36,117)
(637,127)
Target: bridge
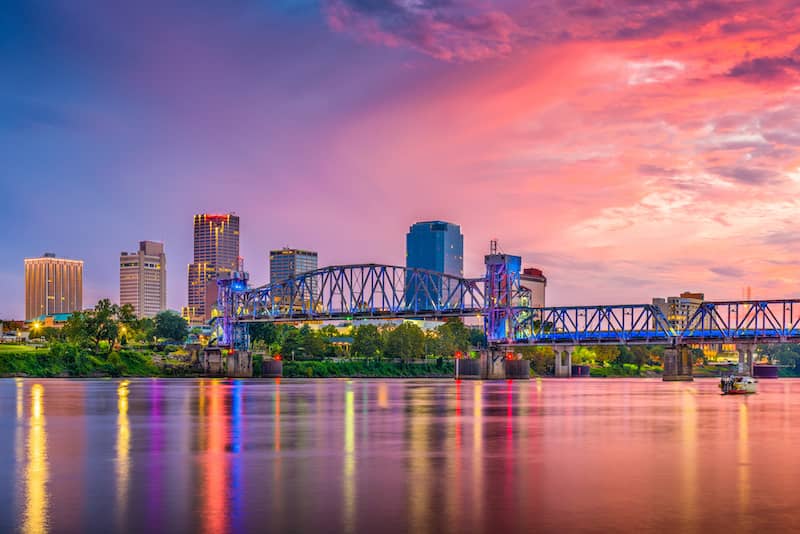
(372,291)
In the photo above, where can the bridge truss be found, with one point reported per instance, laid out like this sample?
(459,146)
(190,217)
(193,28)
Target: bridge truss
(385,291)
(359,291)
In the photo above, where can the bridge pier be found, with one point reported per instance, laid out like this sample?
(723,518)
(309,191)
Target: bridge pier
(563,367)
(677,364)
(745,351)
(493,364)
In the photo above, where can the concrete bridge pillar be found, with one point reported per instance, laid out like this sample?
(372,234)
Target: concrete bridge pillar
(493,365)
(563,367)
(678,364)
(745,351)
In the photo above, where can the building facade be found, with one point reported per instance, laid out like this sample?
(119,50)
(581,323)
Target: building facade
(216,252)
(288,262)
(143,279)
(52,286)
(679,310)
(534,281)
(434,246)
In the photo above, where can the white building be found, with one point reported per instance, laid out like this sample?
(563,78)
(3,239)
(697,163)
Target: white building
(143,279)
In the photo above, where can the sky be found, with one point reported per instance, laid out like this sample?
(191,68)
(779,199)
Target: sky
(629,148)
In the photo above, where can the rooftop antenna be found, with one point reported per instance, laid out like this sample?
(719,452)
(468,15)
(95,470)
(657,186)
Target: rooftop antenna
(493,246)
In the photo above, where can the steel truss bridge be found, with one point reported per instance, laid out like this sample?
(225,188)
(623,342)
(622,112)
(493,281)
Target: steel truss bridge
(371,291)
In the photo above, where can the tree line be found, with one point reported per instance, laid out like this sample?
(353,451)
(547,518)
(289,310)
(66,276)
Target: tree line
(406,341)
(107,324)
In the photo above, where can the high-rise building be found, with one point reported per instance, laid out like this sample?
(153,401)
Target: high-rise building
(436,246)
(216,252)
(52,285)
(535,281)
(288,262)
(679,310)
(143,279)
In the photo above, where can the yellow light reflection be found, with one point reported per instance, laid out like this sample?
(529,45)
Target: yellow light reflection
(349,469)
(744,462)
(383,395)
(419,469)
(689,454)
(477,453)
(36,472)
(123,451)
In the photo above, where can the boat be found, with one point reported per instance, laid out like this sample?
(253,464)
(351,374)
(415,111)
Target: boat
(738,385)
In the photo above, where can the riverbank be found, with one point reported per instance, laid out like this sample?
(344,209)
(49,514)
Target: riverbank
(63,360)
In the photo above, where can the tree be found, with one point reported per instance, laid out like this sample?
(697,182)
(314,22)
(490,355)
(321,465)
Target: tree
(171,326)
(605,353)
(266,332)
(453,337)
(367,341)
(407,341)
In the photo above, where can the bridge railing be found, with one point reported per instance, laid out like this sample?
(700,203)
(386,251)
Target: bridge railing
(367,290)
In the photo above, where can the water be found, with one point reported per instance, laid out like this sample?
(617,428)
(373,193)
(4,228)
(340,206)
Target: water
(396,456)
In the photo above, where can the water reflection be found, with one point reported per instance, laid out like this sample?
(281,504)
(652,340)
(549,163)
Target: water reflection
(123,453)
(214,462)
(689,454)
(394,456)
(349,469)
(36,473)
(743,456)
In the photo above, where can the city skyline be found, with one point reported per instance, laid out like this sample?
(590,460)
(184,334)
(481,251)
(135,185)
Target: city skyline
(627,156)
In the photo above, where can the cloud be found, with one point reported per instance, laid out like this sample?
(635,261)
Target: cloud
(731,272)
(438,28)
(746,175)
(767,68)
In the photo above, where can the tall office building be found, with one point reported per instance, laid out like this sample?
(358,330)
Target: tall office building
(143,279)
(288,262)
(216,252)
(435,246)
(52,285)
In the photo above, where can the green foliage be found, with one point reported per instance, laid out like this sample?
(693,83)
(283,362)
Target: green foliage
(171,326)
(267,333)
(407,342)
(367,341)
(364,368)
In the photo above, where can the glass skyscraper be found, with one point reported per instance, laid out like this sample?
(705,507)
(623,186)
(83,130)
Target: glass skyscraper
(435,246)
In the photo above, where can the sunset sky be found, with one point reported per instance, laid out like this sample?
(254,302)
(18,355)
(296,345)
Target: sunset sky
(629,148)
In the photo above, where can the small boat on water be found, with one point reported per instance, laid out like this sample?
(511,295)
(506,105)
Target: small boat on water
(737,385)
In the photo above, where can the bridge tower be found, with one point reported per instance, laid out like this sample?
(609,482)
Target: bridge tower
(502,289)
(234,334)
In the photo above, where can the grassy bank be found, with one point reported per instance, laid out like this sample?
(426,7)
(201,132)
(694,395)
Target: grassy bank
(68,361)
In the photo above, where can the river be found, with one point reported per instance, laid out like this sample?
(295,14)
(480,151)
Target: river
(336,455)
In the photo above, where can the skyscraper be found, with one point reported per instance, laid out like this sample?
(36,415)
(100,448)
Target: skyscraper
(143,279)
(435,246)
(288,262)
(52,285)
(216,252)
